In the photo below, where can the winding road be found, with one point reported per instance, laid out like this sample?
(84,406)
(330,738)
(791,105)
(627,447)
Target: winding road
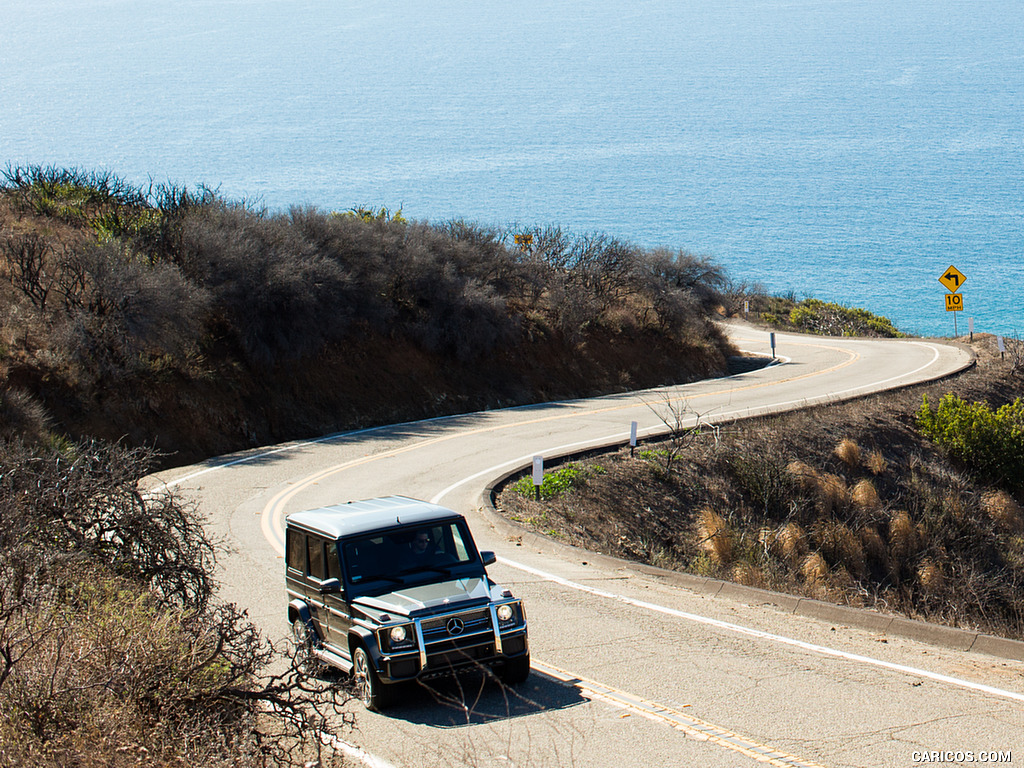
(630,667)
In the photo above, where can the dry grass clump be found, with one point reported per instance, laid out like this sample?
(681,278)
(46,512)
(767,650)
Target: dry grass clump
(804,475)
(848,452)
(865,497)
(840,545)
(876,463)
(793,539)
(747,574)
(931,576)
(715,536)
(873,545)
(833,494)
(903,537)
(1004,510)
(814,569)
(790,541)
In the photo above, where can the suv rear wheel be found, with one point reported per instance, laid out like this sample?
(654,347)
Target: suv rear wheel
(305,641)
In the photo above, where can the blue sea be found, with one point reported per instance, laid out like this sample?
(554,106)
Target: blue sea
(850,150)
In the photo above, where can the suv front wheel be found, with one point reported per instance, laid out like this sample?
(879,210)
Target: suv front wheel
(370,690)
(515,671)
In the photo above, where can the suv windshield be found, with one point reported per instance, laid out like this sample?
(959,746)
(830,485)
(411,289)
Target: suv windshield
(431,548)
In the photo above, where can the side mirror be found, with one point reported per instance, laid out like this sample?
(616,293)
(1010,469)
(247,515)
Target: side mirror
(330,587)
(488,558)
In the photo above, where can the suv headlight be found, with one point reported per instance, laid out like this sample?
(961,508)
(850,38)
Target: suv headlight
(396,638)
(510,615)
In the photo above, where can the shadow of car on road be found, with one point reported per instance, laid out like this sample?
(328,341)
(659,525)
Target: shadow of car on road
(477,698)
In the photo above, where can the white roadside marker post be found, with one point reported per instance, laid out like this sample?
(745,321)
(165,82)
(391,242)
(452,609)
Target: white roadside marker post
(538,474)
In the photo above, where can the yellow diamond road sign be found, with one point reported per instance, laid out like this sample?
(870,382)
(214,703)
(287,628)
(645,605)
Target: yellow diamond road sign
(952,278)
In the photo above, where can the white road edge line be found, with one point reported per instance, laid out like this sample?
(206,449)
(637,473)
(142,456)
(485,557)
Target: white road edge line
(357,753)
(760,634)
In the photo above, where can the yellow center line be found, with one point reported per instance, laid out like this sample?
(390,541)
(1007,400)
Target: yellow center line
(691,726)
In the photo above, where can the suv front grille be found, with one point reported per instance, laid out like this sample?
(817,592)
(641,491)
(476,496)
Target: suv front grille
(440,628)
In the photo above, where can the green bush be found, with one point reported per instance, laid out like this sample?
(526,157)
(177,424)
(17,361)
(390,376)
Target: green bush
(817,316)
(557,482)
(989,442)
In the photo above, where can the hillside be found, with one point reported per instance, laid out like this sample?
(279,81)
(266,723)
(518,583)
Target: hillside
(175,319)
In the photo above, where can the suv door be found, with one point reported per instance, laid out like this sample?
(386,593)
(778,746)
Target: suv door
(335,604)
(316,574)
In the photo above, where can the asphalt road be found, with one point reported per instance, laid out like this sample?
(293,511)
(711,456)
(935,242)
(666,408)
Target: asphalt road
(630,669)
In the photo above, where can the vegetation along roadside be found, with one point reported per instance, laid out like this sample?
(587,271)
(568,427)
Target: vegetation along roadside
(907,502)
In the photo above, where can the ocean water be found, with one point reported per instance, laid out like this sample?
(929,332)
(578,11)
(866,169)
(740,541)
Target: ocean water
(850,150)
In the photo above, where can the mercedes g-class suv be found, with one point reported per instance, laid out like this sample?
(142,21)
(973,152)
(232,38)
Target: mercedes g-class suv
(393,589)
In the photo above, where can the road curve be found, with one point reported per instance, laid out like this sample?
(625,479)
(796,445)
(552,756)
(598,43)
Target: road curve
(630,669)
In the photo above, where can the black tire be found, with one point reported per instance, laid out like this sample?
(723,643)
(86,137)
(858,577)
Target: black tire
(515,671)
(374,694)
(305,642)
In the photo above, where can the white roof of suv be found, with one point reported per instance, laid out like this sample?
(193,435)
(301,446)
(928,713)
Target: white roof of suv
(355,517)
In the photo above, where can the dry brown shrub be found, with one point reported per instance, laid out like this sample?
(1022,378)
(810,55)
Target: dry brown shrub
(876,463)
(848,452)
(1004,510)
(931,576)
(715,537)
(814,569)
(805,476)
(833,494)
(865,496)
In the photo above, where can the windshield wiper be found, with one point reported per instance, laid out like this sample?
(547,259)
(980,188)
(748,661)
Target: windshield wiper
(393,578)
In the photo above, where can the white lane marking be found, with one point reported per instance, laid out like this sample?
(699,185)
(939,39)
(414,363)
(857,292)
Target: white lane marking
(762,635)
(691,726)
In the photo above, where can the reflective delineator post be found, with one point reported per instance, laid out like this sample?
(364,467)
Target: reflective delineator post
(538,474)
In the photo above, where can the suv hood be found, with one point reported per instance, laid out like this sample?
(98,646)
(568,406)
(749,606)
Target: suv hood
(430,598)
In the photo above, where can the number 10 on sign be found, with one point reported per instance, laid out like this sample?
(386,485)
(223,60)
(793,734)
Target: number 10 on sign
(954,302)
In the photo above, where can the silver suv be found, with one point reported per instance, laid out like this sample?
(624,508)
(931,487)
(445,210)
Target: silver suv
(393,589)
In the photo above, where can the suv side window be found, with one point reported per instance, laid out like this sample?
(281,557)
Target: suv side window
(333,563)
(296,551)
(316,557)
